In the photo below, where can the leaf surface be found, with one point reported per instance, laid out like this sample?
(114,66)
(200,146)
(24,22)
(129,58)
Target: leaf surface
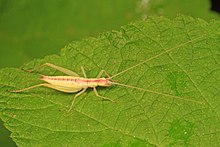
(181,74)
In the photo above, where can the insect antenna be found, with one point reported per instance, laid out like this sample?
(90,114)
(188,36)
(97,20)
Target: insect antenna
(151,58)
(158,93)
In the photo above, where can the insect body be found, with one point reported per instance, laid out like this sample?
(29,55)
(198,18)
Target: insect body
(74,83)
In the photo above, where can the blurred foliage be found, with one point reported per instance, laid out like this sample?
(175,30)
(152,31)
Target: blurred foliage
(31,29)
(170,8)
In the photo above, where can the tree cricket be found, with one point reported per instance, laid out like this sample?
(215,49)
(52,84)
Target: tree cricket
(73,83)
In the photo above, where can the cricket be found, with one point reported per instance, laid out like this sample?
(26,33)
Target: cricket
(73,83)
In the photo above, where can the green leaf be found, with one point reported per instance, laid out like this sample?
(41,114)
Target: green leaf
(180,108)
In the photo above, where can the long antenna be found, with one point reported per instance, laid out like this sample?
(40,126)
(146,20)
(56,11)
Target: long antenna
(155,56)
(159,93)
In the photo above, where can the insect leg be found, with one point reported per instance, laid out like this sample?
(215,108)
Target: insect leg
(83,71)
(61,69)
(101,73)
(56,87)
(102,97)
(78,94)
(31,87)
